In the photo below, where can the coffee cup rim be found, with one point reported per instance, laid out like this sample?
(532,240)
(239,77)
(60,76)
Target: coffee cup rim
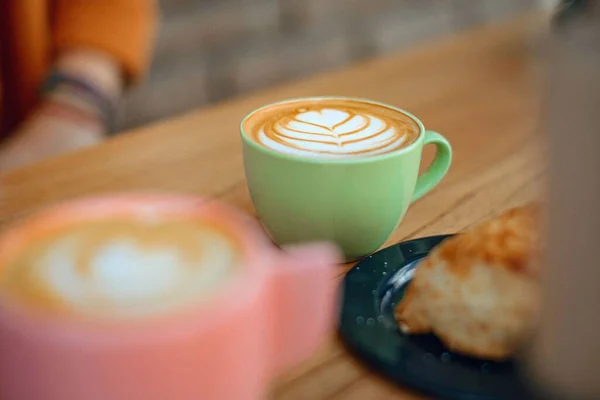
(324,160)
(124,203)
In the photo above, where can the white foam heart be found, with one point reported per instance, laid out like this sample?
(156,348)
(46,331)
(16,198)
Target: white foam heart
(124,278)
(124,272)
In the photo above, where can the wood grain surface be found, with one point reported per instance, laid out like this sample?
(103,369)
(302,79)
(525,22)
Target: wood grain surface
(480,89)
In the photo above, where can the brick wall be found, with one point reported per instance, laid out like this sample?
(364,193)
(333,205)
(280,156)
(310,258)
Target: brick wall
(209,50)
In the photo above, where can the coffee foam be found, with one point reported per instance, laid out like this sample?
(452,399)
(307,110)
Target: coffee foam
(331,128)
(122,268)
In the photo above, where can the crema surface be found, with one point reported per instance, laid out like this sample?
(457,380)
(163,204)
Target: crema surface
(121,268)
(332,128)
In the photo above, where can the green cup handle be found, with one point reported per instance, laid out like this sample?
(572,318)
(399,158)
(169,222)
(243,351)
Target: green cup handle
(438,168)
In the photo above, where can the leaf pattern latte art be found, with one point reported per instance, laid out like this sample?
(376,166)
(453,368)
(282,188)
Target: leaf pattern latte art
(336,131)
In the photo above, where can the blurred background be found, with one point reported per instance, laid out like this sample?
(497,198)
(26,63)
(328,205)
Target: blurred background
(210,50)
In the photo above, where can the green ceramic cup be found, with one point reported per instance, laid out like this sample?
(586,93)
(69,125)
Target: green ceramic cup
(354,202)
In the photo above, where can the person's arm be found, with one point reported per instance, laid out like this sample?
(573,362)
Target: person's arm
(99,47)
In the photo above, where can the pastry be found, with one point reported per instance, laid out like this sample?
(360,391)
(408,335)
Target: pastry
(478,291)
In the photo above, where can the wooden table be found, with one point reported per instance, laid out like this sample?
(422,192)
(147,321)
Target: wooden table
(477,88)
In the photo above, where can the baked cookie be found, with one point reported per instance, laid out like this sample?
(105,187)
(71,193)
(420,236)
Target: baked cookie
(478,291)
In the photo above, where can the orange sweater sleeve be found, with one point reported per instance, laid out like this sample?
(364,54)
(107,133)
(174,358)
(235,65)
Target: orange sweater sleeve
(123,28)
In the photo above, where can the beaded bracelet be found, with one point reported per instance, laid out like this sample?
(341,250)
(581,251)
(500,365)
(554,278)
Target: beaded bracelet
(59,80)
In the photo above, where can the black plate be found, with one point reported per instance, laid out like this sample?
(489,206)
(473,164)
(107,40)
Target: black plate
(368,328)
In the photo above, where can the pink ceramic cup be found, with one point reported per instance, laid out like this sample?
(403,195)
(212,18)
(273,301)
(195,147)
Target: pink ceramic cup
(272,313)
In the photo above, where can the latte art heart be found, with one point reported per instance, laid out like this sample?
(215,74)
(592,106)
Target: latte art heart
(122,268)
(332,128)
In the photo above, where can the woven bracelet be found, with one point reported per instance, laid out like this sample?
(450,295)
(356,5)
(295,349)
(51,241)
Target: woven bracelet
(104,104)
